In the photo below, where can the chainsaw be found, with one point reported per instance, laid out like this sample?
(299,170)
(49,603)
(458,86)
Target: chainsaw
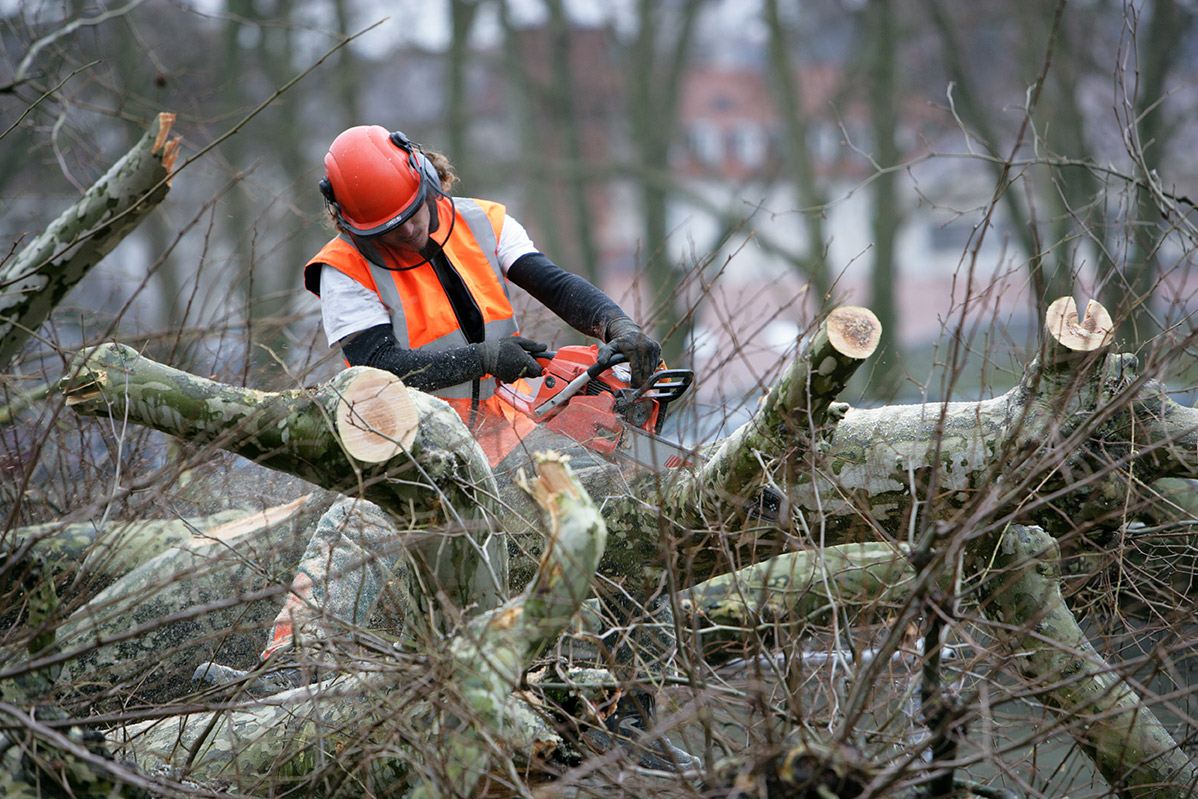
(595,404)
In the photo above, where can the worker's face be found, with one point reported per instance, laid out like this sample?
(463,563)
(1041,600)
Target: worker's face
(411,235)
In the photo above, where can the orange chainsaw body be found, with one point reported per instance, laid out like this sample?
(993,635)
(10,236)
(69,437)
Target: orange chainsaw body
(594,406)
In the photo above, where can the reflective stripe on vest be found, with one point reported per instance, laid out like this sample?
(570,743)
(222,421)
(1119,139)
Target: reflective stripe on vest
(474,217)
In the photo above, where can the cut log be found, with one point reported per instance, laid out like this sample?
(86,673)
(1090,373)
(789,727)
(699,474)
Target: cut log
(795,409)
(55,261)
(375,418)
(1108,719)
(1095,331)
(379,727)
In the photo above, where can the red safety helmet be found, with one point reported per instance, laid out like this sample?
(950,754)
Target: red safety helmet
(375,180)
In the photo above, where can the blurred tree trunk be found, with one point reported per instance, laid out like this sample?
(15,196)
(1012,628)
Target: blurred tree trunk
(1073,196)
(970,104)
(657,62)
(810,195)
(274,269)
(236,214)
(554,158)
(1156,49)
(531,137)
(563,100)
(348,73)
(458,114)
(883,34)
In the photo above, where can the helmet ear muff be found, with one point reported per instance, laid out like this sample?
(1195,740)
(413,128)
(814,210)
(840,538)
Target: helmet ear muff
(420,161)
(326,191)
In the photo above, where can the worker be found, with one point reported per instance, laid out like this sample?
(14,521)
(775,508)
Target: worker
(416,282)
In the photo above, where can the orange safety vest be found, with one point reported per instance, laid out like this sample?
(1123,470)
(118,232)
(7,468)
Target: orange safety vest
(422,316)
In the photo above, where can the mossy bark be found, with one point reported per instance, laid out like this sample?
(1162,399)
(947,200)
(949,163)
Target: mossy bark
(1022,590)
(313,729)
(1054,449)
(37,279)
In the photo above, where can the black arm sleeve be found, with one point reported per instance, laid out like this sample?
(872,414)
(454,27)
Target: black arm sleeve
(580,305)
(377,347)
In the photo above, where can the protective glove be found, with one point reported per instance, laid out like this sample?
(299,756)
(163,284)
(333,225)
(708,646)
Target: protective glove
(508,359)
(626,337)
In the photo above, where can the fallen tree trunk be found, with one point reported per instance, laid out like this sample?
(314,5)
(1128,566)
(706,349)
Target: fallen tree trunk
(105,554)
(1061,436)
(1053,449)
(209,598)
(1022,589)
(55,261)
(362,433)
(754,608)
(472,727)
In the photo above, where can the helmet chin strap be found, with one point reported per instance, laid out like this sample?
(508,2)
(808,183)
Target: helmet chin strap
(434,220)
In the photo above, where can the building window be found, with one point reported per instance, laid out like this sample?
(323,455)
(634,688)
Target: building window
(749,145)
(705,143)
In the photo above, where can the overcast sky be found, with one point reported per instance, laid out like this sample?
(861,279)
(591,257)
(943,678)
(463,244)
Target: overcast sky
(426,22)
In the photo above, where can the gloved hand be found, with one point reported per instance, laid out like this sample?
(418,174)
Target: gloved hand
(508,358)
(626,337)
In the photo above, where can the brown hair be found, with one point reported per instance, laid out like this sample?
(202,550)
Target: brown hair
(444,169)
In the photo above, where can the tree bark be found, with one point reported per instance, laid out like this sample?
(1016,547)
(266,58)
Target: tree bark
(747,610)
(53,263)
(211,597)
(1109,720)
(1054,448)
(106,554)
(313,729)
(362,433)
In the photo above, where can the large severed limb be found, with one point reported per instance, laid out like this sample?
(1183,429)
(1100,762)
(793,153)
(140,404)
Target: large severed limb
(363,433)
(209,597)
(37,279)
(1055,449)
(700,515)
(1022,590)
(440,726)
(772,601)
(862,473)
(795,410)
(105,553)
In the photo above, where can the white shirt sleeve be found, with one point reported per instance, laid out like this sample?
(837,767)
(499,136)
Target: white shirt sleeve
(346,306)
(514,242)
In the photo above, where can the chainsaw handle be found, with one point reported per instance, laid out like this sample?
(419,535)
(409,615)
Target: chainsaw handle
(551,406)
(602,366)
(594,370)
